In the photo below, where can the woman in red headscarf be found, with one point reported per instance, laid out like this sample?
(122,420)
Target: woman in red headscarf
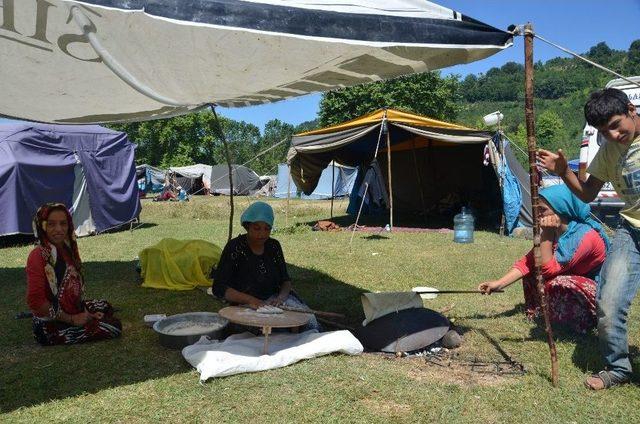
(55,286)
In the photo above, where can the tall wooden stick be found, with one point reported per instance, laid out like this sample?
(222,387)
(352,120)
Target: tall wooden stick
(333,184)
(419,176)
(534,179)
(228,157)
(286,215)
(389,175)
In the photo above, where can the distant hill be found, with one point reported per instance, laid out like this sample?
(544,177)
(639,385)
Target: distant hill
(562,86)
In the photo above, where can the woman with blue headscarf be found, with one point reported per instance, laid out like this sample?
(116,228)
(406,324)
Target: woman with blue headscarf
(573,247)
(252,270)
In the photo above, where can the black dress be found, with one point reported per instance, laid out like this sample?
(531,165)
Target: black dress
(239,268)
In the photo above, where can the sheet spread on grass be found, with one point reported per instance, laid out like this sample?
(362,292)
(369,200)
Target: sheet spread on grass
(178,264)
(241,353)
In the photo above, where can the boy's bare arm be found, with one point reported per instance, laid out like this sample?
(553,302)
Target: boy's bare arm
(557,163)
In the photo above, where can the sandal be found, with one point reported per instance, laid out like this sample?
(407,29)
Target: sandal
(607,379)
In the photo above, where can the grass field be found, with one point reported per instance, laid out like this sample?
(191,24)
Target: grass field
(133,379)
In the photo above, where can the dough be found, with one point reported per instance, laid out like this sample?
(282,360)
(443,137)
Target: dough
(268,309)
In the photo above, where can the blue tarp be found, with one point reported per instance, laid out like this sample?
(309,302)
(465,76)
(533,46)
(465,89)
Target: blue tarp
(37,163)
(511,197)
(344,179)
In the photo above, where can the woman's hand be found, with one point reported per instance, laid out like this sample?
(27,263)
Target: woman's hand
(278,300)
(81,319)
(97,315)
(490,286)
(551,222)
(255,303)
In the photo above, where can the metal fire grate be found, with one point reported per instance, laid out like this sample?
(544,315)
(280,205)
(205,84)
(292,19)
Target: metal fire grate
(444,358)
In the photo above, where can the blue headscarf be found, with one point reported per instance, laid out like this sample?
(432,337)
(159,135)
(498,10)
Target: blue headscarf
(578,213)
(258,212)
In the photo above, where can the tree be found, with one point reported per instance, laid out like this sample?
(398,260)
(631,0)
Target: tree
(275,131)
(425,94)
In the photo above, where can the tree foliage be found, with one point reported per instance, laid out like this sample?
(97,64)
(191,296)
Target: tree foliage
(425,94)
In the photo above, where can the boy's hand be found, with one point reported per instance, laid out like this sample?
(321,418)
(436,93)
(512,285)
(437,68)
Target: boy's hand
(554,162)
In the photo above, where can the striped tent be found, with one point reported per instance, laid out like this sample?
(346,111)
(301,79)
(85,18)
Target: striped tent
(436,166)
(93,61)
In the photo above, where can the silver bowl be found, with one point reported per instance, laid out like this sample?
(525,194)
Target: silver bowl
(178,331)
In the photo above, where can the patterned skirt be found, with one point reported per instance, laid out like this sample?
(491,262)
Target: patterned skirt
(48,333)
(571,301)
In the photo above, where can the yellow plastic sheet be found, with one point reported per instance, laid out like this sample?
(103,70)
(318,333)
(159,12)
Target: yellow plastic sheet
(178,264)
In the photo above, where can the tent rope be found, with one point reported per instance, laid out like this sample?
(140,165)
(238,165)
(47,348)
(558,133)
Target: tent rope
(364,196)
(574,54)
(255,157)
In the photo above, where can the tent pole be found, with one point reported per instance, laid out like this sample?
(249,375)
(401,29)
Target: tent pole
(286,215)
(355,226)
(228,157)
(535,200)
(415,164)
(333,184)
(502,172)
(389,173)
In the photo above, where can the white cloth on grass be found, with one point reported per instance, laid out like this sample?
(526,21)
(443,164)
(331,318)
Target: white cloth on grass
(242,353)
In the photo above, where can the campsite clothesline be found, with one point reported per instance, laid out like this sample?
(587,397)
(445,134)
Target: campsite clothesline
(597,65)
(254,158)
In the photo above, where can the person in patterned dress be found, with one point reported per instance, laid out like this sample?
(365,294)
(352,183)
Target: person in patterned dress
(55,286)
(573,248)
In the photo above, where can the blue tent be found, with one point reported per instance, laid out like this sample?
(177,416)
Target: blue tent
(88,168)
(343,176)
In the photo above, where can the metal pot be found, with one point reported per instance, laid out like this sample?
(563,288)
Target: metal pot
(174,339)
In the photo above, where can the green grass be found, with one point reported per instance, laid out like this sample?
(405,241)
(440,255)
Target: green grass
(134,379)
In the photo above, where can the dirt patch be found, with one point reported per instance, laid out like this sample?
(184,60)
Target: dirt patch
(457,372)
(386,407)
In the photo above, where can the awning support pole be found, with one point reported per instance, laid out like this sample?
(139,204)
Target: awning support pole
(333,184)
(534,179)
(286,215)
(384,123)
(228,157)
(419,175)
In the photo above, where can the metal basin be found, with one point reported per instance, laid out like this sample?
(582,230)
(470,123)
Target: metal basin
(178,331)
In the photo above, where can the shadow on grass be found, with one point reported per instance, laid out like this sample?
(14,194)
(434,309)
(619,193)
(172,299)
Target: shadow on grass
(517,310)
(16,240)
(31,374)
(19,240)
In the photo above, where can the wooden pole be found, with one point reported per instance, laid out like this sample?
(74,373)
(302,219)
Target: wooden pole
(286,215)
(534,179)
(228,157)
(333,182)
(503,161)
(389,177)
(419,175)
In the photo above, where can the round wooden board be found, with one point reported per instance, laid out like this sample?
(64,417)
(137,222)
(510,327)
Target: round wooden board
(247,316)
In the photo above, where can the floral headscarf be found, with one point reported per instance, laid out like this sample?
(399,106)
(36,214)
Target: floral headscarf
(72,280)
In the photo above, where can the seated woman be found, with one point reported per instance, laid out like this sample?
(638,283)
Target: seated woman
(252,270)
(573,247)
(55,286)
